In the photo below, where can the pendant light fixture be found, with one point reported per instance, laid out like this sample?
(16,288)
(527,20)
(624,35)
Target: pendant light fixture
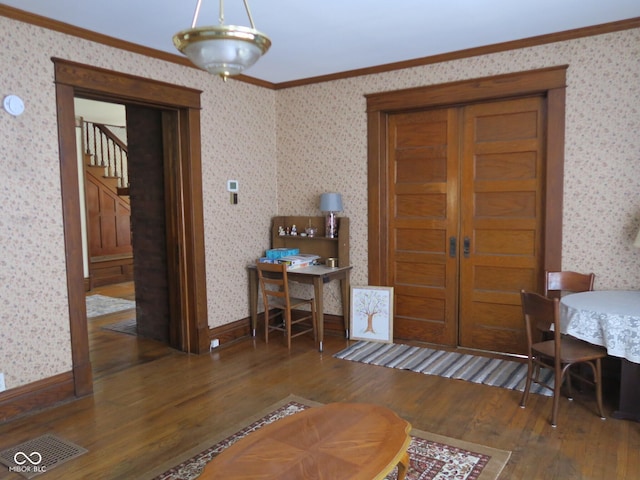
(224,50)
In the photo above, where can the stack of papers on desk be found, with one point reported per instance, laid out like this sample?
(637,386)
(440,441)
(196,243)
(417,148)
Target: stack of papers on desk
(299,261)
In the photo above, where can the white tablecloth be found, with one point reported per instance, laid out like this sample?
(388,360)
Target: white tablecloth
(610,318)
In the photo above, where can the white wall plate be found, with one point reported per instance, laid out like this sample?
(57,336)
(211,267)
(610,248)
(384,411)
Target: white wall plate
(13,104)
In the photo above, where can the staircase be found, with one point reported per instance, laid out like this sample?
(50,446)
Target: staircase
(108,153)
(108,206)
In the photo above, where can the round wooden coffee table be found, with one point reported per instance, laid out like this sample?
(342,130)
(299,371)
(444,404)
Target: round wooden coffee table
(337,441)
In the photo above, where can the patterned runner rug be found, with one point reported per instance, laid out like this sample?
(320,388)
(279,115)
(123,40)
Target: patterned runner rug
(431,456)
(472,368)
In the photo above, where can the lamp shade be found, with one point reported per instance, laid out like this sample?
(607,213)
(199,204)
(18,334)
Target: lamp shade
(330,202)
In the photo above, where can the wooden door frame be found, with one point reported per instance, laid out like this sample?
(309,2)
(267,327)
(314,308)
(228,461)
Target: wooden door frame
(549,82)
(184,202)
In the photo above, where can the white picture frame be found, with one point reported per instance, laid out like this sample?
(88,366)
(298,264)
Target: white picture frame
(371,316)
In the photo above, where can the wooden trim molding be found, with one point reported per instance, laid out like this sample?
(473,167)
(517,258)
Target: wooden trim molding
(241,329)
(464,91)
(100,82)
(70,189)
(563,36)
(230,332)
(65,28)
(36,395)
(23,16)
(73,79)
(556,105)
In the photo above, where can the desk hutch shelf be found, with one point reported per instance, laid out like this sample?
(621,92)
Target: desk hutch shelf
(318,244)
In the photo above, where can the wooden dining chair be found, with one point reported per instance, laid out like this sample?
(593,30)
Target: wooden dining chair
(278,304)
(542,314)
(567,281)
(558,283)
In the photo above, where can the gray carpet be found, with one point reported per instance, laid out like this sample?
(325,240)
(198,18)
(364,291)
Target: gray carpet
(472,368)
(129,326)
(98,305)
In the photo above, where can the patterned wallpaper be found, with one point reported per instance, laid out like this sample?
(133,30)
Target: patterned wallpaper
(238,142)
(323,127)
(285,148)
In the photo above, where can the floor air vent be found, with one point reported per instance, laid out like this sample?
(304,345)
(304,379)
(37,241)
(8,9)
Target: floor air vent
(39,455)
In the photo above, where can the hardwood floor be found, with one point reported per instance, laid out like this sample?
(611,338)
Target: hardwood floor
(112,352)
(151,403)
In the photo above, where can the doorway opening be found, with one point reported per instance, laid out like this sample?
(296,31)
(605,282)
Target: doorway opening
(178,120)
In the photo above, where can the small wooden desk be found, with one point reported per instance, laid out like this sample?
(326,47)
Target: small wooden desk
(338,441)
(317,276)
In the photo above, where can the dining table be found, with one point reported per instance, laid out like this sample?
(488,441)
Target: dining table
(611,319)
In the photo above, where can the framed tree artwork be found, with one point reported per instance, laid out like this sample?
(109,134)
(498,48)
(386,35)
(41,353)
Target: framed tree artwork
(371,314)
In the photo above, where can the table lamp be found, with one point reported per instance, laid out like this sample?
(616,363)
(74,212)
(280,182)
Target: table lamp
(331,203)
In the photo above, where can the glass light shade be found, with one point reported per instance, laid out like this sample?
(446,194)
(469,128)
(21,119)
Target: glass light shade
(224,50)
(330,202)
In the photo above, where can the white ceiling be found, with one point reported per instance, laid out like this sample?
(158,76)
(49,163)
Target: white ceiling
(331,36)
(111,114)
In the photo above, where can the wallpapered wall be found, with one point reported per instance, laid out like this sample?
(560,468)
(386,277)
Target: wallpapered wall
(305,140)
(323,128)
(238,142)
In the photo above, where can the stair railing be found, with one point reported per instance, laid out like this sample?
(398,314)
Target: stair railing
(108,151)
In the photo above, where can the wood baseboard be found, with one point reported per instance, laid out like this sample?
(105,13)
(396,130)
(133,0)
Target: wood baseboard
(110,269)
(59,388)
(241,329)
(36,396)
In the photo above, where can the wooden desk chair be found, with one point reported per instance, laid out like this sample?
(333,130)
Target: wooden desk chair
(574,282)
(279,304)
(558,283)
(540,315)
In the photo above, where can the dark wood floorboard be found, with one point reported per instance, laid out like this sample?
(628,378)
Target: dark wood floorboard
(112,352)
(151,403)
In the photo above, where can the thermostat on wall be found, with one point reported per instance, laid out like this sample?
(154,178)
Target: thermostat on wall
(232,186)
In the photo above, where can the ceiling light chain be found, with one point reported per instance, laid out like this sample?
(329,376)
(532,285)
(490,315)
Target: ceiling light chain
(196,14)
(221,18)
(222,50)
(246,7)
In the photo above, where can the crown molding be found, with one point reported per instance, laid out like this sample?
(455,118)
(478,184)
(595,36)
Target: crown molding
(40,21)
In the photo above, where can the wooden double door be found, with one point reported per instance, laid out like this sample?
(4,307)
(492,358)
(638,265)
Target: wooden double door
(465,220)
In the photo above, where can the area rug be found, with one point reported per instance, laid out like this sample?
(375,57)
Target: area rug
(129,326)
(98,305)
(472,368)
(431,456)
